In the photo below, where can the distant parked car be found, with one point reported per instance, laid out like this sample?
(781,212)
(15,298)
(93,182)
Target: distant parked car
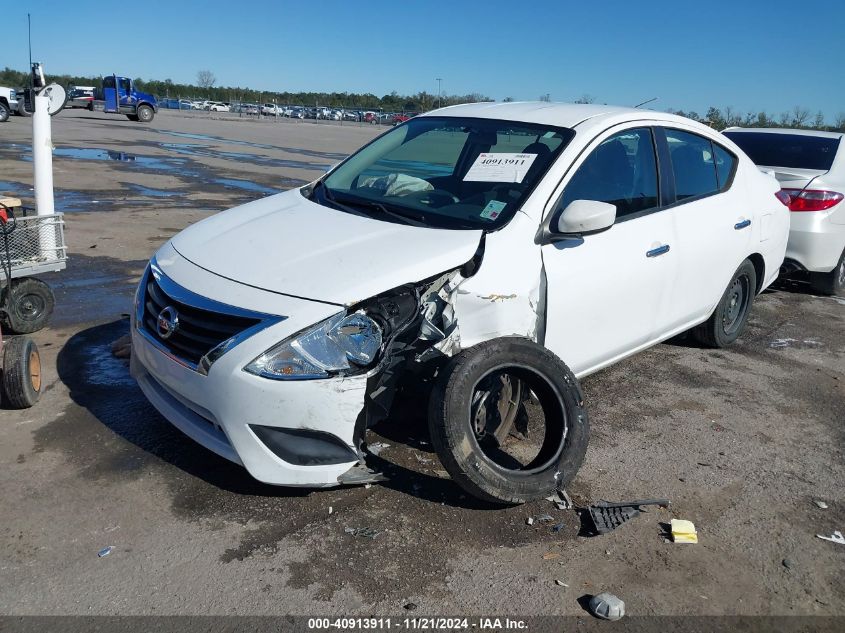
(186,104)
(351,115)
(216,106)
(297,113)
(400,118)
(269,109)
(810,166)
(8,102)
(79,97)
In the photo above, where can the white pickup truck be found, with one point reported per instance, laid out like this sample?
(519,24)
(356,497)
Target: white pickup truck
(8,103)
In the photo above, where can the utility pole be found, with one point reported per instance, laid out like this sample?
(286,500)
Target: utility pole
(439,90)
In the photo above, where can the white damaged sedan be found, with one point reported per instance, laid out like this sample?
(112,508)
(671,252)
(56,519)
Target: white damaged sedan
(502,251)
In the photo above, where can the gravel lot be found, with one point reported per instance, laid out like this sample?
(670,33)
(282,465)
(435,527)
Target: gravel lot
(741,440)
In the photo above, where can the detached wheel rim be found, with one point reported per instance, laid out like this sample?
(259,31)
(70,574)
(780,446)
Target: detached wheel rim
(35,371)
(737,305)
(517,420)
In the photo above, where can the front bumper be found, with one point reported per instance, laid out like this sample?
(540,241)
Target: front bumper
(816,242)
(227,408)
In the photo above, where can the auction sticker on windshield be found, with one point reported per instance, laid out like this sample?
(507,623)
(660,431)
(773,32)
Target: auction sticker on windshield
(493,209)
(504,167)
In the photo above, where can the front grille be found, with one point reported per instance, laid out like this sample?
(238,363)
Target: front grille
(199,330)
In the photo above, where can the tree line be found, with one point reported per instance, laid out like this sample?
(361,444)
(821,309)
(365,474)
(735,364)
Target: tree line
(204,88)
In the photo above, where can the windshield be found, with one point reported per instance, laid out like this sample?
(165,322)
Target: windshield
(445,172)
(798,151)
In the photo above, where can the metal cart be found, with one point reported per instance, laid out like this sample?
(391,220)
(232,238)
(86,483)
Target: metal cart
(29,245)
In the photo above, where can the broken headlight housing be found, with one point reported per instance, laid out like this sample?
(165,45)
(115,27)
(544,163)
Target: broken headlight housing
(344,343)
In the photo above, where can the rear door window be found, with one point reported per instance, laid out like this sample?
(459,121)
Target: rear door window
(798,151)
(693,164)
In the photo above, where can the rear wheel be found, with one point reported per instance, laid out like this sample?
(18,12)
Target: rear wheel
(507,420)
(731,314)
(29,305)
(145,113)
(832,283)
(21,372)
(4,112)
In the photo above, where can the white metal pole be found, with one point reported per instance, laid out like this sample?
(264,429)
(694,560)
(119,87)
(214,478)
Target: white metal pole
(42,157)
(42,161)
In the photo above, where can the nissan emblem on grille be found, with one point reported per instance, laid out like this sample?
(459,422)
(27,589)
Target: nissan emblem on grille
(167,322)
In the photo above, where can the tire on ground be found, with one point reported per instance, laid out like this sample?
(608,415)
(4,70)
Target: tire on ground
(728,320)
(21,372)
(144,114)
(454,438)
(5,111)
(832,283)
(29,306)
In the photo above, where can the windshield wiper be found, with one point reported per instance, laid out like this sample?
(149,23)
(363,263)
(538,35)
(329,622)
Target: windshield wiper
(382,208)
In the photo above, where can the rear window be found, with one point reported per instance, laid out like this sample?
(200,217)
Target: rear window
(787,150)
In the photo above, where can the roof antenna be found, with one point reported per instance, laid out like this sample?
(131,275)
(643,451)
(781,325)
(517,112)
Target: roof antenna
(645,102)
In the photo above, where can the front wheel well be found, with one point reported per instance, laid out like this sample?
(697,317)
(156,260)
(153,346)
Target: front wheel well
(760,269)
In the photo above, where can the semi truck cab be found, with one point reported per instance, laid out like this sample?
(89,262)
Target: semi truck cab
(119,96)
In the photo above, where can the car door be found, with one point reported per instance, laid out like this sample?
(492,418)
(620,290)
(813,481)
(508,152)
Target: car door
(713,220)
(607,292)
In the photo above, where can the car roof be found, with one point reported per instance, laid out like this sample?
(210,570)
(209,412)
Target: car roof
(784,130)
(543,112)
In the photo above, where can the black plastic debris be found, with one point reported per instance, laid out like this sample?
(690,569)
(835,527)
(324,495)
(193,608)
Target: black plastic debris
(607,516)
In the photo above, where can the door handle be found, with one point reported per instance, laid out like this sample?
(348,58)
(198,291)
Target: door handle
(742,225)
(657,252)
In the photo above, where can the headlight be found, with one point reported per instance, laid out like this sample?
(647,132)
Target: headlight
(341,343)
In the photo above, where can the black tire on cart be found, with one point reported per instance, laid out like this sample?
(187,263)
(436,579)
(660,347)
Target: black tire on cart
(21,372)
(144,114)
(5,111)
(731,314)
(28,306)
(507,420)
(832,283)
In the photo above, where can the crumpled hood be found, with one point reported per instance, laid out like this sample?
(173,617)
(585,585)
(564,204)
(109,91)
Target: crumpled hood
(290,245)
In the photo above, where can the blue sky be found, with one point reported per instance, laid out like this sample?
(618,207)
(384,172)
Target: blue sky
(747,54)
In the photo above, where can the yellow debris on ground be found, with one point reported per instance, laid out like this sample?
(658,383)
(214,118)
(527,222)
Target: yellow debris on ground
(683,531)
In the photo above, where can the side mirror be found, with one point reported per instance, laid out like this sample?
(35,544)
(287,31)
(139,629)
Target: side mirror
(586,216)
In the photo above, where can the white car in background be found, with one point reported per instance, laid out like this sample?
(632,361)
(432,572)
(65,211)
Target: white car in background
(216,106)
(501,249)
(810,166)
